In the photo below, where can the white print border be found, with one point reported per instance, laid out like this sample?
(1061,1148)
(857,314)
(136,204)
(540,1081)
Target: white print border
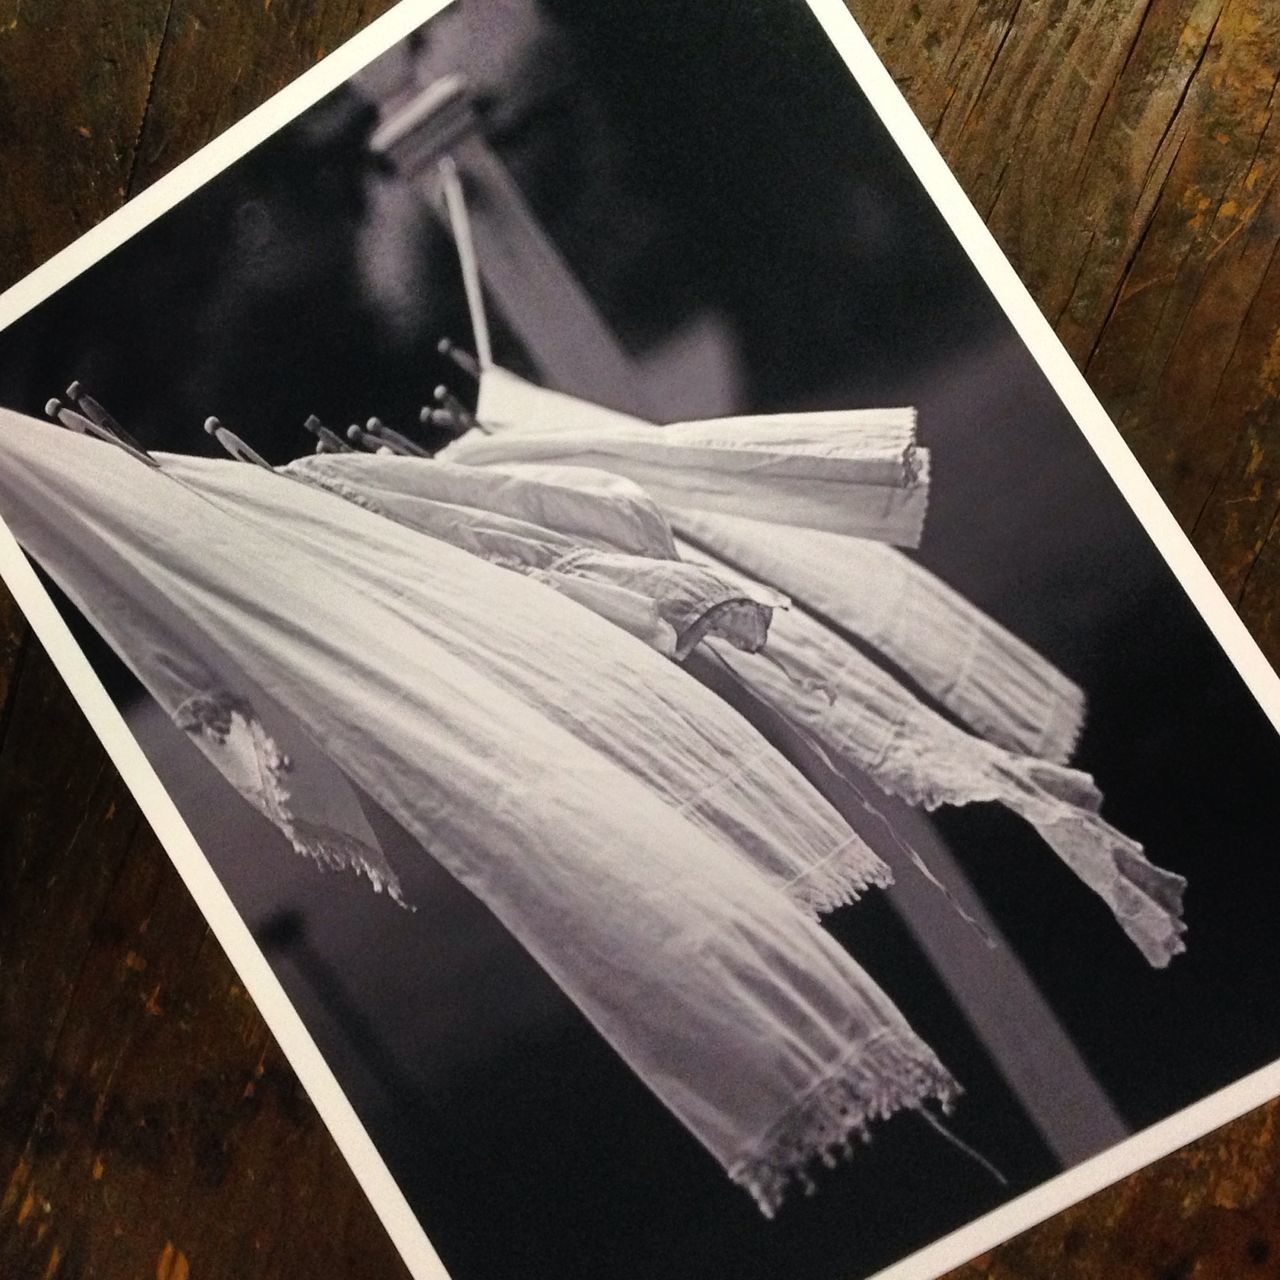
(233,935)
(1173,544)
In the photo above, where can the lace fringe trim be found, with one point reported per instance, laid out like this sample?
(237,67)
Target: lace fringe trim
(739,620)
(839,879)
(875,1079)
(222,720)
(336,851)
(1062,805)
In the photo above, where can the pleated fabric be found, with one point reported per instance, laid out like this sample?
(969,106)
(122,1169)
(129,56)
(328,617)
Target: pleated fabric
(475,706)
(819,874)
(854,711)
(857,714)
(985,676)
(596,541)
(1025,715)
(858,473)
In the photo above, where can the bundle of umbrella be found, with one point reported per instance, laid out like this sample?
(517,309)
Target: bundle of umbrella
(534,650)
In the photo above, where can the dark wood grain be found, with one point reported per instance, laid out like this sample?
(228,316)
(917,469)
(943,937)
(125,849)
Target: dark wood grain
(1124,152)
(149,1125)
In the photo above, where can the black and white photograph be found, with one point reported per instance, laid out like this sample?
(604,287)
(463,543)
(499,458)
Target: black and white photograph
(720,769)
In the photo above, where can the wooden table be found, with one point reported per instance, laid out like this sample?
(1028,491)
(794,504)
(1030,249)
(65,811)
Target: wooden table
(1124,154)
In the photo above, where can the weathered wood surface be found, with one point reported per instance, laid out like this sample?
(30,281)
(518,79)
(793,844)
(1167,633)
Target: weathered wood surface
(1125,154)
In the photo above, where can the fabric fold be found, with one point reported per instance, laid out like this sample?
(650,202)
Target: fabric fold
(672,605)
(856,712)
(248,737)
(431,678)
(263,753)
(580,505)
(980,672)
(975,669)
(858,473)
(575,540)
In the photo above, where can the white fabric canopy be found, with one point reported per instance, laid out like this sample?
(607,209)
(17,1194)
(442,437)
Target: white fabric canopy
(1027,713)
(858,473)
(986,677)
(626,826)
(800,844)
(478,643)
(855,712)
(599,541)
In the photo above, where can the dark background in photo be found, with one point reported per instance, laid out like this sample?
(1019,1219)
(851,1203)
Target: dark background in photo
(715,160)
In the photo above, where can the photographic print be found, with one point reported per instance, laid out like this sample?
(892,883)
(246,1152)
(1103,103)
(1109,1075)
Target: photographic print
(705,745)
